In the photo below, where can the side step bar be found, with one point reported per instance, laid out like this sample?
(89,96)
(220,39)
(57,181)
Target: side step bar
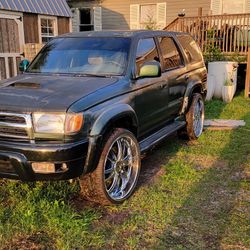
(160,135)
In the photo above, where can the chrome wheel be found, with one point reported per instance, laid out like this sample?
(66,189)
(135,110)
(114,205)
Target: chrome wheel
(121,168)
(198,117)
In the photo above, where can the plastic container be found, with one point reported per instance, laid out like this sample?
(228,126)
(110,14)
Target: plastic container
(210,87)
(218,72)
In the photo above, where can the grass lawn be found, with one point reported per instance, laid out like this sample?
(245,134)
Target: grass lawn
(191,195)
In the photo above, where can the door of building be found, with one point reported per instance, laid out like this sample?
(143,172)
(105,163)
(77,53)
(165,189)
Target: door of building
(11,44)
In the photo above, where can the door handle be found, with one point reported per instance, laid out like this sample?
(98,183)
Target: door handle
(163,86)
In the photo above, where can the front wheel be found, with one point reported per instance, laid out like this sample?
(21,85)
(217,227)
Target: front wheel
(117,172)
(195,118)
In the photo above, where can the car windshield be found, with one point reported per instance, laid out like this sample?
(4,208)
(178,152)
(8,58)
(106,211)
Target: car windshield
(86,55)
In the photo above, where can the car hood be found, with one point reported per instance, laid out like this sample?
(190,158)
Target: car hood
(27,93)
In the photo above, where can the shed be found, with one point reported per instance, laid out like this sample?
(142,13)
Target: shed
(25,25)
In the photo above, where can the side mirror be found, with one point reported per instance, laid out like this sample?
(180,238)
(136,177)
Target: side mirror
(150,69)
(24,65)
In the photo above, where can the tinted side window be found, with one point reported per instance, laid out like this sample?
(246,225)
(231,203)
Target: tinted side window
(191,48)
(170,53)
(146,52)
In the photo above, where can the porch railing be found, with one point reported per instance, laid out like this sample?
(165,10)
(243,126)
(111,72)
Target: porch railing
(229,33)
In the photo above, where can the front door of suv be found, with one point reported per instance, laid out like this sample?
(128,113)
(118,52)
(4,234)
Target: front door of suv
(151,93)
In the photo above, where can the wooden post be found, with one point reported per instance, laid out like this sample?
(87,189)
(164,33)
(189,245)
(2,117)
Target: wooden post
(247,83)
(200,11)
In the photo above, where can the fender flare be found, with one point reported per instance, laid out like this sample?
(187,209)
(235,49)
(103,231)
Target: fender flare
(100,127)
(188,94)
(111,115)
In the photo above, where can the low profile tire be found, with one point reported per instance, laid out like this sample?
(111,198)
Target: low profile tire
(117,172)
(194,119)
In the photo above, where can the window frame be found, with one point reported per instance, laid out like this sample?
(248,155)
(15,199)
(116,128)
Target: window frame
(55,26)
(91,19)
(182,61)
(135,51)
(191,62)
(144,24)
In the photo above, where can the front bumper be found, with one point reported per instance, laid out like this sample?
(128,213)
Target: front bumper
(16,159)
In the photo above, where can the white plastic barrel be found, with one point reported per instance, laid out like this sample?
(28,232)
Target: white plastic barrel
(210,86)
(218,72)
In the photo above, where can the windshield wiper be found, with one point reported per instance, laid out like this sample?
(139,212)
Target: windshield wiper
(92,75)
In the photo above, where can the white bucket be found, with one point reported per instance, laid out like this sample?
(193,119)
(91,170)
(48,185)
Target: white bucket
(218,72)
(210,87)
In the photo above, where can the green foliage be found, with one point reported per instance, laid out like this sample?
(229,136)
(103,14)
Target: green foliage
(212,52)
(236,57)
(43,207)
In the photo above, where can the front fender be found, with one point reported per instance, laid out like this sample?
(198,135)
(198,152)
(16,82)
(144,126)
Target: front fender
(111,115)
(100,127)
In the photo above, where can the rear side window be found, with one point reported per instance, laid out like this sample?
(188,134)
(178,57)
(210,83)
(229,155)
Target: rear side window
(146,52)
(191,48)
(170,53)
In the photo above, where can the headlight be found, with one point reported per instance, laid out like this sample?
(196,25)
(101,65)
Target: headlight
(57,123)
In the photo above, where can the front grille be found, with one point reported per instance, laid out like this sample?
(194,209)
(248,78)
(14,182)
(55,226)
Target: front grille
(6,167)
(14,131)
(15,126)
(12,119)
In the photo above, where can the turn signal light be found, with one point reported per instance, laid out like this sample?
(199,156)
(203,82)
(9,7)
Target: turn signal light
(43,167)
(73,123)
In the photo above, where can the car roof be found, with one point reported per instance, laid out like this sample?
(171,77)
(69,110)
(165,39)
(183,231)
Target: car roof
(120,33)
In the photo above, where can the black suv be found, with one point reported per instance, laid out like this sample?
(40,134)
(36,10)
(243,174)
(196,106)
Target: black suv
(90,103)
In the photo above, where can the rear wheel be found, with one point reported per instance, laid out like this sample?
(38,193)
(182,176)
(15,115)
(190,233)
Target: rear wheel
(116,175)
(194,118)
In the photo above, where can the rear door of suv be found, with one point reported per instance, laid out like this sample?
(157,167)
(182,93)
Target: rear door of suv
(174,72)
(195,65)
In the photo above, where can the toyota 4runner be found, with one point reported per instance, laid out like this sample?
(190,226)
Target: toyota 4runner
(90,103)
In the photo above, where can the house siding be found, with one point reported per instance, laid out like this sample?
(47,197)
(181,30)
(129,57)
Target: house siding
(31,29)
(191,8)
(63,25)
(30,24)
(116,14)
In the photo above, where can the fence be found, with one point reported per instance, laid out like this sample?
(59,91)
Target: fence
(229,33)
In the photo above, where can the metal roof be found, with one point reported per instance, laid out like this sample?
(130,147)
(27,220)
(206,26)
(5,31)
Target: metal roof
(46,7)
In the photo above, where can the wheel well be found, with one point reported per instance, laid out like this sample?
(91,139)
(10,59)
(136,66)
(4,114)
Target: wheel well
(127,123)
(123,122)
(197,89)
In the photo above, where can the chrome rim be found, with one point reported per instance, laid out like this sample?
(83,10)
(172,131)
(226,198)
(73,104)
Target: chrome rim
(121,168)
(198,118)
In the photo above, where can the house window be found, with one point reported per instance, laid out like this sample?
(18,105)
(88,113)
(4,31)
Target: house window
(148,16)
(86,19)
(48,28)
